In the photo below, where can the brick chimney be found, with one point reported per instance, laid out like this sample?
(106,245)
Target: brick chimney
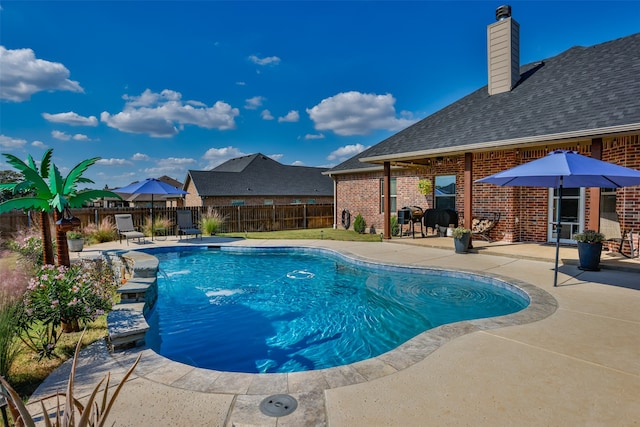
(503,45)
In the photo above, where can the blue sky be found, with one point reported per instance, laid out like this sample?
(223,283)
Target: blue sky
(158,88)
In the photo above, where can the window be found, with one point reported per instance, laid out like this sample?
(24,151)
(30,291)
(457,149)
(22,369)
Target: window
(268,202)
(237,203)
(311,201)
(296,202)
(392,195)
(445,192)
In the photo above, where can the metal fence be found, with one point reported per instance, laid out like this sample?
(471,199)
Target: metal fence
(237,218)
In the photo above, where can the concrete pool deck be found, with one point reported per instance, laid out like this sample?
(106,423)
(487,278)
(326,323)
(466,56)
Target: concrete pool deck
(577,365)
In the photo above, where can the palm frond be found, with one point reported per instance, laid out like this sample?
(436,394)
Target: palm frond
(38,183)
(71,180)
(59,202)
(8,185)
(36,203)
(45,162)
(56,183)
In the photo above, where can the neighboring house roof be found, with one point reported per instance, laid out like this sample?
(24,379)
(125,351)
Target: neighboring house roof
(259,175)
(582,92)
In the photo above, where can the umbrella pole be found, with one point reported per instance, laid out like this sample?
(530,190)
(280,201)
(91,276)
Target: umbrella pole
(152,232)
(558,229)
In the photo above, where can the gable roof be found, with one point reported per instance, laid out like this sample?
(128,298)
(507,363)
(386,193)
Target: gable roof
(582,92)
(259,175)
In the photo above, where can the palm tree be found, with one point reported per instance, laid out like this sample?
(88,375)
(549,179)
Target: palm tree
(15,187)
(51,192)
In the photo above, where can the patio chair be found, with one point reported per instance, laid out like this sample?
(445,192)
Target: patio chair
(124,224)
(185,224)
(610,227)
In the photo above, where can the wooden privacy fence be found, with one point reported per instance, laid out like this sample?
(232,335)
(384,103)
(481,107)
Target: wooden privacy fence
(237,218)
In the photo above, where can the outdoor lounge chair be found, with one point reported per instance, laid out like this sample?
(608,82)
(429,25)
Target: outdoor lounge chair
(610,227)
(185,224)
(124,224)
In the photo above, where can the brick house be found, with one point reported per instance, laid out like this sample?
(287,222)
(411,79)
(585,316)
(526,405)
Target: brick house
(257,180)
(585,99)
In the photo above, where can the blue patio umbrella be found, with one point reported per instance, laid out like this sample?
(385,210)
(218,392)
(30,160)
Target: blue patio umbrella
(568,169)
(153,187)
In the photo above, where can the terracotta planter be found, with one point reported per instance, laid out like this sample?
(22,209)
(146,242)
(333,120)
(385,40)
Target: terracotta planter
(589,255)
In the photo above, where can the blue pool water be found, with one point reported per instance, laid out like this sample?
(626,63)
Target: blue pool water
(288,310)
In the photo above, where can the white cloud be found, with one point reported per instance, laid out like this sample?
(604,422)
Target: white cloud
(355,113)
(39,144)
(163,114)
(292,116)
(71,118)
(254,103)
(241,83)
(217,156)
(275,157)
(23,75)
(140,156)
(298,163)
(266,115)
(8,142)
(269,60)
(170,165)
(62,136)
(113,162)
(314,136)
(346,152)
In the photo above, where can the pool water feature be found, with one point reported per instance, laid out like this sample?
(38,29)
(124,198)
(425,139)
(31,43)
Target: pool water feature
(287,310)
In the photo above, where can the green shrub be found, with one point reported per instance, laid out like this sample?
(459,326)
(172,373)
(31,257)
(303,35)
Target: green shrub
(211,222)
(60,296)
(29,246)
(395,227)
(359,224)
(74,235)
(589,236)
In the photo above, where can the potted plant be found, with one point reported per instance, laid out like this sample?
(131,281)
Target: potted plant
(461,238)
(589,249)
(424,186)
(75,241)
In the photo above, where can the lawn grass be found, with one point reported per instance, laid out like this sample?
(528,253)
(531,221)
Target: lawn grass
(312,234)
(27,372)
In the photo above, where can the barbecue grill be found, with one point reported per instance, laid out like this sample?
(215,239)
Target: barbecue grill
(409,215)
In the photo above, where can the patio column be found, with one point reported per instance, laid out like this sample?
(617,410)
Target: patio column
(468,190)
(593,222)
(387,200)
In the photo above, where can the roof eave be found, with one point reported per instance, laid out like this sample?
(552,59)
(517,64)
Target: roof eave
(508,143)
(358,170)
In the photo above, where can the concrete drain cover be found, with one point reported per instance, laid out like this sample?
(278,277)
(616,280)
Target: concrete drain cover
(278,405)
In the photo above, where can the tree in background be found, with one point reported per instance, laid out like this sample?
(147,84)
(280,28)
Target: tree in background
(50,192)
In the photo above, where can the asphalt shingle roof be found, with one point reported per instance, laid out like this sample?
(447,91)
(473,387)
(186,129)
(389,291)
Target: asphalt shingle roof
(583,88)
(259,175)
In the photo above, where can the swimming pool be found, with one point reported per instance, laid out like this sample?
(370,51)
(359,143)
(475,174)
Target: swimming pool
(287,310)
